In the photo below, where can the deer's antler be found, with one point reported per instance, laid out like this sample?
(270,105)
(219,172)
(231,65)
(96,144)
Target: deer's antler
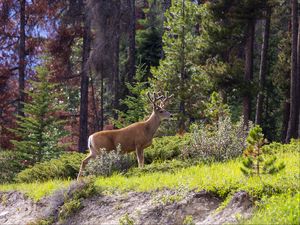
(165,99)
(154,98)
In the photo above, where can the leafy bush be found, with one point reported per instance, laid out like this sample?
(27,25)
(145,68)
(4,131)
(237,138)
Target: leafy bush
(221,141)
(12,162)
(109,162)
(166,148)
(66,166)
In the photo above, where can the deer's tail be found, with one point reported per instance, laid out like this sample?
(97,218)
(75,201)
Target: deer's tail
(90,142)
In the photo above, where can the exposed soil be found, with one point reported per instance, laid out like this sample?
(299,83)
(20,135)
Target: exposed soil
(158,207)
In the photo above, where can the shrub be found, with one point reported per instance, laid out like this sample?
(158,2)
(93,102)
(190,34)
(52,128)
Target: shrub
(221,141)
(166,148)
(12,162)
(109,162)
(66,166)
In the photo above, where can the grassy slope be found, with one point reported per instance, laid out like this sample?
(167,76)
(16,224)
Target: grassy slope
(36,190)
(220,178)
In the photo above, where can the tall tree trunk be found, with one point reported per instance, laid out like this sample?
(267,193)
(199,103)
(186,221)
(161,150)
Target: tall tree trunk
(286,113)
(117,89)
(101,103)
(298,82)
(83,120)
(263,68)
(292,128)
(22,60)
(248,70)
(131,54)
(183,77)
(97,122)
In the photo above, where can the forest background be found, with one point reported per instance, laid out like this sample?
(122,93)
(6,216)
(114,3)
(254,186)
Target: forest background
(71,68)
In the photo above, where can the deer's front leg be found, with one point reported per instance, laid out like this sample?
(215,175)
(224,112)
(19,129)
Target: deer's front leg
(140,156)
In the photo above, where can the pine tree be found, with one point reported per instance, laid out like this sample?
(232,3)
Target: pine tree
(179,72)
(149,37)
(136,102)
(257,159)
(40,130)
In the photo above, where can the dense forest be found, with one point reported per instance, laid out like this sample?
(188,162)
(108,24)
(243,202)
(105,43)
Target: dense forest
(216,84)
(103,57)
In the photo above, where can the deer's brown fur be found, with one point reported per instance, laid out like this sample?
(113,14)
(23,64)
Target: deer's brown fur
(135,137)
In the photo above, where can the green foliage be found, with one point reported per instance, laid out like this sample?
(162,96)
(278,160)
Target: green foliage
(73,202)
(149,38)
(65,167)
(170,166)
(69,208)
(166,148)
(40,130)
(257,161)
(278,209)
(135,103)
(188,220)
(48,221)
(216,109)
(36,190)
(179,72)
(12,162)
(126,220)
(219,141)
(207,177)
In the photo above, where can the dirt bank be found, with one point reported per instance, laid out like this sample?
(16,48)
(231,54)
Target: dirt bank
(159,207)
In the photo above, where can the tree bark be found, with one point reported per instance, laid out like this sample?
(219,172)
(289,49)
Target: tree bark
(286,112)
(116,48)
(131,54)
(83,121)
(101,103)
(183,77)
(22,58)
(298,83)
(292,128)
(96,123)
(248,70)
(263,68)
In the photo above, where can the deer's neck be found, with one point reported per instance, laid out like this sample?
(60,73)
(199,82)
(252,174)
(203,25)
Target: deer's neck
(152,124)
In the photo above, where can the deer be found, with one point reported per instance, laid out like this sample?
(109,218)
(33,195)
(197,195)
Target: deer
(135,137)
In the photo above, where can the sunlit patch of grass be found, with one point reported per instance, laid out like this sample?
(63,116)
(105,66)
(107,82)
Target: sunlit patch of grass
(36,191)
(278,209)
(220,178)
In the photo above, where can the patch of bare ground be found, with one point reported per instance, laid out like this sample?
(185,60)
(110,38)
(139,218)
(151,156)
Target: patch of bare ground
(158,207)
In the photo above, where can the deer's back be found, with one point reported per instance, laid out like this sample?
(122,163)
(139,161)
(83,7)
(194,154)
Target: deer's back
(126,137)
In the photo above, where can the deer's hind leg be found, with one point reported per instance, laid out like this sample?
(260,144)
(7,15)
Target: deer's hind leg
(90,156)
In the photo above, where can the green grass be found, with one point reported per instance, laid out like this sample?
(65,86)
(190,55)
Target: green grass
(220,178)
(278,209)
(36,190)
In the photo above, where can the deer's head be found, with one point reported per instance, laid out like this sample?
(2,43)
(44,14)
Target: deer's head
(159,102)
